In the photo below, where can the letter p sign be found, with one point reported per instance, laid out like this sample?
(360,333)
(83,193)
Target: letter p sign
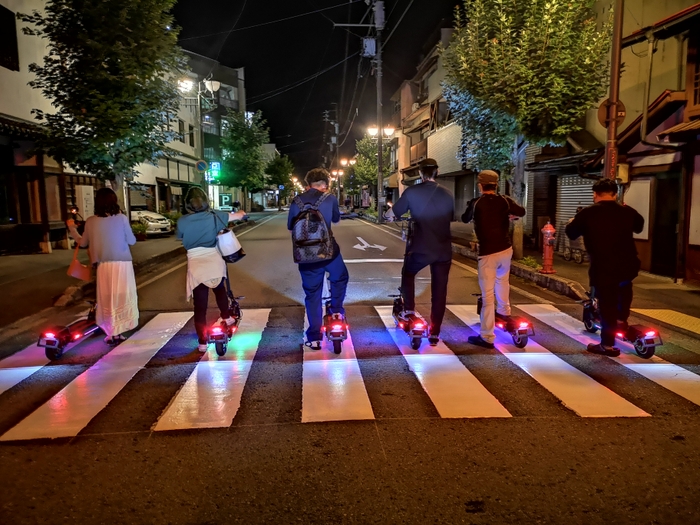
(225,199)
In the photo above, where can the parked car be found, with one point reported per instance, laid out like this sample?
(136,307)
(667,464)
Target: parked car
(155,223)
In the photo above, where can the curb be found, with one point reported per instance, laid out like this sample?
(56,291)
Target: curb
(554,283)
(72,294)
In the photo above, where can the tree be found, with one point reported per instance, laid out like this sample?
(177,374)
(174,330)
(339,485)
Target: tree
(279,171)
(366,168)
(110,72)
(524,67)
(244,159)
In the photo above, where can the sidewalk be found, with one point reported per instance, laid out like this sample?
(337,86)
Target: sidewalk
(31,283)
(650,291)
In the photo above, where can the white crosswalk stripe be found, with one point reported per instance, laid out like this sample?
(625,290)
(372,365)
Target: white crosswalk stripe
(452,388)
(211,396)
(577,391)
(332,386)
(69,411)
(672,377)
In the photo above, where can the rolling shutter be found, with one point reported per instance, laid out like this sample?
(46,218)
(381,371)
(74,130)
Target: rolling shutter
(572,192)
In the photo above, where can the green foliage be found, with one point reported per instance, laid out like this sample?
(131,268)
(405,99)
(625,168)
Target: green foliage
(365,169)
(139,228)
(110,72)
(279,173)
(542,62)
(531,262)
(488,135)
(244,159)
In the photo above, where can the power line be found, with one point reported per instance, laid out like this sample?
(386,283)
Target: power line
(289,87)
(398,23)
(267,23)
(235,23)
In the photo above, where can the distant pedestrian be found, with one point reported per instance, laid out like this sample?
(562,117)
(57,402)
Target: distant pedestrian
(430,244)
(108,236)
(491,214)
(312,274)
(607,228)
(205,267)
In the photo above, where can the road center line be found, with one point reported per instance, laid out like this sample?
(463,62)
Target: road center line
(357,261)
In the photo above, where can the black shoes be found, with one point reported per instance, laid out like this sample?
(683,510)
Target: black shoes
(478,341)
(599,349)
(313,345)
(433,340)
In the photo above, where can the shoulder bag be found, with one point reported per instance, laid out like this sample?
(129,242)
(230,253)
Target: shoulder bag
(78,269)
(226,242)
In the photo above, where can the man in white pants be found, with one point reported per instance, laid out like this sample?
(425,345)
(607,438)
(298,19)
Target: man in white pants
(491,214)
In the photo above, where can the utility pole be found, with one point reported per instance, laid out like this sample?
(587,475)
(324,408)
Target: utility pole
(615,59)
(373,48)
(379,24)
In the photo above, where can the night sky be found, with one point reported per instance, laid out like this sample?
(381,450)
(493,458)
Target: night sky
(278,55)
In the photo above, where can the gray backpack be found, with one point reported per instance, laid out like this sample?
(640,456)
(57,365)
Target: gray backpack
(312,240)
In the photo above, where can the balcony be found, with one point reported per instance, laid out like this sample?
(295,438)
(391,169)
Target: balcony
(419,151)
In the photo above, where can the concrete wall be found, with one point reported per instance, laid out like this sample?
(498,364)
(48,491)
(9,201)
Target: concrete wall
(17,99)
(669,59)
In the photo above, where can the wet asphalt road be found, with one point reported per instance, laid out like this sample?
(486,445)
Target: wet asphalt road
(545,464)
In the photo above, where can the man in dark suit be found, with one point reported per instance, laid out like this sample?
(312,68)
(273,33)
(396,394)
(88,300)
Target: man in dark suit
(607,228)
(432,210)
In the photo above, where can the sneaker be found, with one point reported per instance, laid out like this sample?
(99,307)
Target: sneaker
(202,347)
(229,321)
(434,340)
(599,349)
(478,341)
(313,345)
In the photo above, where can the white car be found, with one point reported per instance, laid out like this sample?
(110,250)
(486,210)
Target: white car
(155,222)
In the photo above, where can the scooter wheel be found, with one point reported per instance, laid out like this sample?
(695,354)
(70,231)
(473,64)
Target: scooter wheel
(337,346)
(588,325)
(644,352)
(415,342)
(578,257)
(520,341)
(567,254)
(220,349)
(53,353)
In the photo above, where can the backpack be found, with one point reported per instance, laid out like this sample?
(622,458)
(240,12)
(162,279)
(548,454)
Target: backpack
(312,240)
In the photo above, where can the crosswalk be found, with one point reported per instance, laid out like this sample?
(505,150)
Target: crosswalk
(337,387)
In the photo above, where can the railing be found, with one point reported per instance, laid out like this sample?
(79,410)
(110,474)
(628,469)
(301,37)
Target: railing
(419,151)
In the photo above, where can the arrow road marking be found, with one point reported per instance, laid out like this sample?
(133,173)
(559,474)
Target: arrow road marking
(364,245)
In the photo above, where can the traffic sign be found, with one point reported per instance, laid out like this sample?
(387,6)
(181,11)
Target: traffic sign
(281,186)
(201,166)
(603,113)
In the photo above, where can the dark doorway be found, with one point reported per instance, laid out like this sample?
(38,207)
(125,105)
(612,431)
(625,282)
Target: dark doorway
(666,205)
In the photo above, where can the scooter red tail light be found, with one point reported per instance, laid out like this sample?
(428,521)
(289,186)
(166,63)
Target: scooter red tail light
(419,326)
(49,335)
(337,327)
(217,330)
(620,335)
(651,333)
(77,336)
(524,325)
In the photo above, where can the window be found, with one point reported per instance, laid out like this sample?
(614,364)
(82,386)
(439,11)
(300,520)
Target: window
(693,77)
(9,54)
(181,130)
(191,134)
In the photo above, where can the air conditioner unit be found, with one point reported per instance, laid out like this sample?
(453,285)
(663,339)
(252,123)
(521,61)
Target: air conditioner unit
(415,106)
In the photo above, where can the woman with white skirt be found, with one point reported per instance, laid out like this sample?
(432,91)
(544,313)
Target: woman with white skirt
(108,236)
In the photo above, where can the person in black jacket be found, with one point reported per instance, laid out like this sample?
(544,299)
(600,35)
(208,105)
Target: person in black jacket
(607,228)
(432,210)
(491,214)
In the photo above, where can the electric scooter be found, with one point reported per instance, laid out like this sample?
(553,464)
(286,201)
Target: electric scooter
(519,328)
(413,324)
(334,326)
(57,338)
(644,338)
(221,333)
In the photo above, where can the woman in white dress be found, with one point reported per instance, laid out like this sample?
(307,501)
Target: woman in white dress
(108,236)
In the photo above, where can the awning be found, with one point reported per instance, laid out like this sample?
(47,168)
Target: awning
(683,132)
(684,20)
(21,128)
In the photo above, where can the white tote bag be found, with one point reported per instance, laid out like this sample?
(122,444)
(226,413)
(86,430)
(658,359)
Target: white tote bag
(228,245)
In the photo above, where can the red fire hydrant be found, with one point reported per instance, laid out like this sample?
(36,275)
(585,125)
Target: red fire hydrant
(548,241)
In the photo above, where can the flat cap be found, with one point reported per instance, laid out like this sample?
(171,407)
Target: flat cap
(488,177)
